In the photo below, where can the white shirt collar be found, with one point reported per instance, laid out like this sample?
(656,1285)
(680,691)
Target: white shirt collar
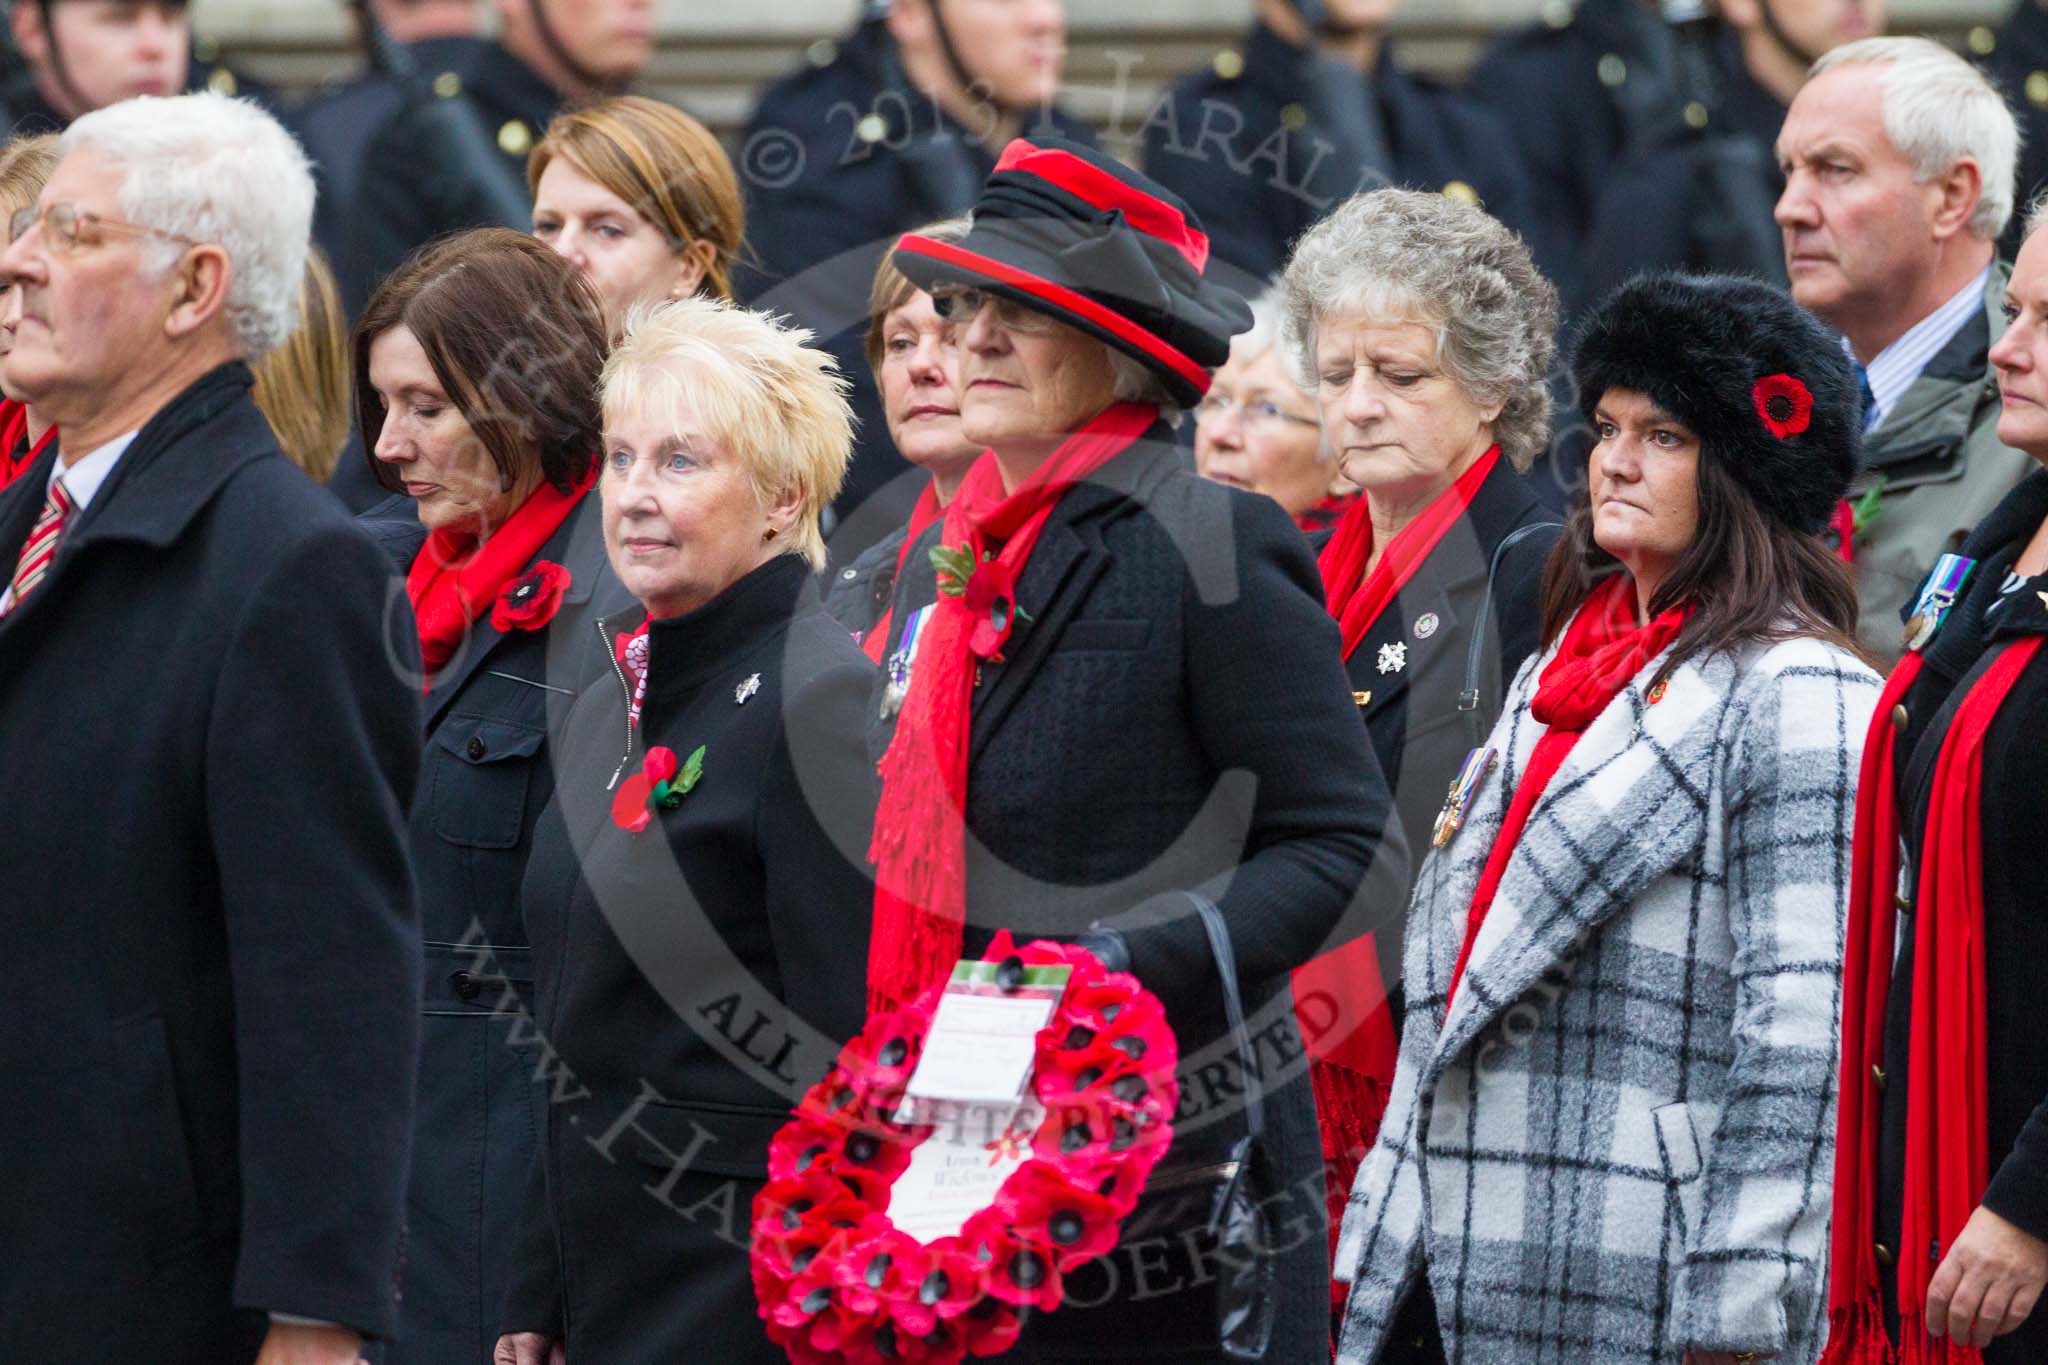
(1892,371)
(83,478)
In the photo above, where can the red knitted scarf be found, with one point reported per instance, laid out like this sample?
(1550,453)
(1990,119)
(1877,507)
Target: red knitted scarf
(1351,1065)
(921,517)
(1947,1148)
(454,579)
(1604,649)
(920,842)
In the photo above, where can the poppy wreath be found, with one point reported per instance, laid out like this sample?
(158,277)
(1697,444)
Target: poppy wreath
(834,1278)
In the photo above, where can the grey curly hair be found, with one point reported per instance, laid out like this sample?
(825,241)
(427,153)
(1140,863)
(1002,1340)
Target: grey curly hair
(1410,256)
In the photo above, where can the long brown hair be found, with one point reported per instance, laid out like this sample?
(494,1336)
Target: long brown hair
(1749,575)
(517,341)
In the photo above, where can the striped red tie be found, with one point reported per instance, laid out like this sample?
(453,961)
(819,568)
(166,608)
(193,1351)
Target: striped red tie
(40,548)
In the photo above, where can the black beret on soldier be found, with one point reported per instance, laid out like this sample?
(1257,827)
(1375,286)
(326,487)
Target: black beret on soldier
(1763,383)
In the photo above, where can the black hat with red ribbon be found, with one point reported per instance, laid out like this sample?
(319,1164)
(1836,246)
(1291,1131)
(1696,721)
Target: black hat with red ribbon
(1072,233)
(1763,383)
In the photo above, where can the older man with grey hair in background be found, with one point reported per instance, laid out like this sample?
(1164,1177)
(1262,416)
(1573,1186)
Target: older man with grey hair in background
(1899,160)
(208,1021)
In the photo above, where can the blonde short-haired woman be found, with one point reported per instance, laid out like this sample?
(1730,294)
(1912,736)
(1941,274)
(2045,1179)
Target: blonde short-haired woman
(699,950)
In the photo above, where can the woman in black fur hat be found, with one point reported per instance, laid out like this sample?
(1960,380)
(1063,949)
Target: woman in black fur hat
(1610,1127)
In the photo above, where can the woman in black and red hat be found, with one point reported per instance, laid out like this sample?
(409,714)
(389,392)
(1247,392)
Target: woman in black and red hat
(1608,1136)
(1944,1084)
(1134,693)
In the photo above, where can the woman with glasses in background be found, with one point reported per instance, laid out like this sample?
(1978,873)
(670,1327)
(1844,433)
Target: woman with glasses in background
(1255,429)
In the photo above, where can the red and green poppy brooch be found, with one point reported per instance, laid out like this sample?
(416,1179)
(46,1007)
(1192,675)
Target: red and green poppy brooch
(660,784)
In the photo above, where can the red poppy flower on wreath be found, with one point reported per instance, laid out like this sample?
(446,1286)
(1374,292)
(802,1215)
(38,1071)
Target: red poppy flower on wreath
(531,600)
(1047,1209)
(1784,405)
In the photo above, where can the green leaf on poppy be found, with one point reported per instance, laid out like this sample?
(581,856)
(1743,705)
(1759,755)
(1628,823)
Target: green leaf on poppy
(1865,508)
(955,565)
(693,768)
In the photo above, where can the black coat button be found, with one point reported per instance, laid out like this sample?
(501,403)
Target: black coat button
(475,748)
(1899,717)
(466,986)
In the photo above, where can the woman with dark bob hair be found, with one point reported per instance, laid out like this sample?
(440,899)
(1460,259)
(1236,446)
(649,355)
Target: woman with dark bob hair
(1611,1124)
(1148,707)
(476,369)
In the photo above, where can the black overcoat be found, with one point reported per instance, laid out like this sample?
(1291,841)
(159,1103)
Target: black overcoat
(2015,830)
(210,1023)
(696,977)
(1174,716)
(1413,667)
(484,781)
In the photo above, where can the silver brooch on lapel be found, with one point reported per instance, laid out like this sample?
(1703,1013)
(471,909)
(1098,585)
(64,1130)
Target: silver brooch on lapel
(1425,625)
(746,689)
(1393,656)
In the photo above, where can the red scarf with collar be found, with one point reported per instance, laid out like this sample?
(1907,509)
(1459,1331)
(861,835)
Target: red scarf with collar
(1604,648)
(1948,1158)
(14,434)
(1352,1068)
(920,842)
(921,517)
(455,579)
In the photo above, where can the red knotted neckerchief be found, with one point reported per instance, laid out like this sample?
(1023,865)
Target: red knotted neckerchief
(1352,1069)
(920,843)
(1604,649)
(1355,598)
(13,433)
(921,517)
(1947,1146)
(454,580)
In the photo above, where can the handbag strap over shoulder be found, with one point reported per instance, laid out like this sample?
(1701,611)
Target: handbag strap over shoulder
(1233,1011)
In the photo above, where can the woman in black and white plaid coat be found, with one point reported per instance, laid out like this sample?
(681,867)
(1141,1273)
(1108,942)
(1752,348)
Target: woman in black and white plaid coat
(1610,1136)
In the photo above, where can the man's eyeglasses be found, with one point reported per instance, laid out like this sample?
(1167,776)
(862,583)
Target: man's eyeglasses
(68,227)
(1260,414)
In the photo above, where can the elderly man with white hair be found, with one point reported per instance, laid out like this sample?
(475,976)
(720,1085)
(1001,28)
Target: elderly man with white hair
(208,1026)
(1899,160)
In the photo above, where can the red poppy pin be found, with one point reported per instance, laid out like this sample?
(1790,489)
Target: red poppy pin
(531,600)
(1784,404)
(659,785)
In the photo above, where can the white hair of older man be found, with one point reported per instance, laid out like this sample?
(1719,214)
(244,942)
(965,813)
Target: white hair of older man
(219,170)
(1939,109)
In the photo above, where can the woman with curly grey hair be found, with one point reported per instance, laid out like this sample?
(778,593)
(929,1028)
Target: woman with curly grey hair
(1424,331)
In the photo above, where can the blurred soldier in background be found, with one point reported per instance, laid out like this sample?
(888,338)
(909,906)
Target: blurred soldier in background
(334,126)
(1264,141)
(547,53)
(899,124)
(2015,57)
(1647,128)
(71,57)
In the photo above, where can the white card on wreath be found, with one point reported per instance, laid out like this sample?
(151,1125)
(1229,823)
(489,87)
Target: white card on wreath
(958,1171)
(984,1035)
